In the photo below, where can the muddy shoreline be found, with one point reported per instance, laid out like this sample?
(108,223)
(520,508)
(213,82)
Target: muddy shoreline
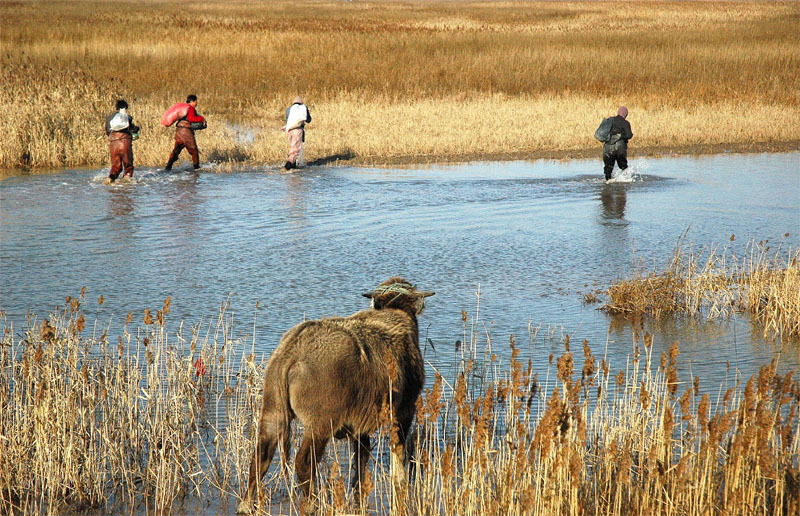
(595,152)
(410,161)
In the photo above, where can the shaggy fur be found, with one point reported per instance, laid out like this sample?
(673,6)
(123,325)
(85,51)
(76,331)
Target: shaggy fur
(335,375)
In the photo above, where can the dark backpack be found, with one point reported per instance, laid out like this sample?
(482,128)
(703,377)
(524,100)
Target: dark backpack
(603,133)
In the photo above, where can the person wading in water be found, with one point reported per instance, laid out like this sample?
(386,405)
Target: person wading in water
(616,148)
(120,131)
(184,134)
(297,116)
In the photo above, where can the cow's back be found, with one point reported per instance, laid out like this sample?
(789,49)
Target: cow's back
(390,336)
(339,369)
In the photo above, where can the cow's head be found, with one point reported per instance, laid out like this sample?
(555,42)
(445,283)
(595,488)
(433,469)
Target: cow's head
(398,293)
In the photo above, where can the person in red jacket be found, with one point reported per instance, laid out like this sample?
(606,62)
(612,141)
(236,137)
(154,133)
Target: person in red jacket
(184,134)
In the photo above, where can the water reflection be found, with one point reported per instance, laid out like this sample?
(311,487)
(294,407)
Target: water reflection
(121,205)
(613,197)
(613,237)
(182,227)
(294,199)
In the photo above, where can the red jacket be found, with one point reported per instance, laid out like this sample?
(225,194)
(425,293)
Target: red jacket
(192,116)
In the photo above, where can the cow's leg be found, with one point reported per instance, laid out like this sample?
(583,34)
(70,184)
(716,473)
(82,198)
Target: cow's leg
(361,452)
(265,449)
(309,454)
(404,449)
(399,458)
(286,447)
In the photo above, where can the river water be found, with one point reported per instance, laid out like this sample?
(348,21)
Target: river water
(531,237)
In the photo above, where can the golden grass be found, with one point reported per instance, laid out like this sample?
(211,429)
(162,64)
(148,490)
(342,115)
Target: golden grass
(87,423)
(764,283)
(394,81)
(93,423)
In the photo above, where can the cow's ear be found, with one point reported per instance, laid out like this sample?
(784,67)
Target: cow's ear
(425,293)
(368,295)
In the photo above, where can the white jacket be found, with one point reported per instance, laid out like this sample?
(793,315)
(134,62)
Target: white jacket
(296,116)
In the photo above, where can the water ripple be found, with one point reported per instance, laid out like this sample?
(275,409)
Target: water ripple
(535,236)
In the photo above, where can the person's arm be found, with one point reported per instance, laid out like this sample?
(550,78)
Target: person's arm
(308,115)
(108,124)
(131,127)
(628,131)
(192,116)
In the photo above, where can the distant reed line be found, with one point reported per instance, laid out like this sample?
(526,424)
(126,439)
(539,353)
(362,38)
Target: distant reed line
(165,422)
(393,81)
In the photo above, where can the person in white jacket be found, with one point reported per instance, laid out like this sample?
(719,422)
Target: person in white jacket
(297,116)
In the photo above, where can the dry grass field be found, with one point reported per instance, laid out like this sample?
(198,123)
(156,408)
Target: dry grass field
(158,422)
(391,82)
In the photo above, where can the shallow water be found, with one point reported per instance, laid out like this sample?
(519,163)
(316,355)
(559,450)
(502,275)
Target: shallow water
(533,237)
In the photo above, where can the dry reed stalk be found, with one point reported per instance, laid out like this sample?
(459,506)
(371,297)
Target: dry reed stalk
(463,81)
(162,418)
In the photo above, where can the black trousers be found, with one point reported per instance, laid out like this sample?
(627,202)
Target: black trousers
(615,153)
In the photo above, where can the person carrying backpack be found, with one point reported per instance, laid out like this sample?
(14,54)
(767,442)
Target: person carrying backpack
(297,116)
(184,134)
(120,131)
(615,149)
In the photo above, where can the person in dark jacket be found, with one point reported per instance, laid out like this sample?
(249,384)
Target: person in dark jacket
(616,148)
(297,116)
(120,130)
(184,134)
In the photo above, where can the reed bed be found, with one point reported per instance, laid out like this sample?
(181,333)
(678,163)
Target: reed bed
(138,424)
(764,283)
(396,81)
(159,421)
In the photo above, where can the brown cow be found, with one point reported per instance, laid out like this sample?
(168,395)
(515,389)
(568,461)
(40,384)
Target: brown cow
(335,375)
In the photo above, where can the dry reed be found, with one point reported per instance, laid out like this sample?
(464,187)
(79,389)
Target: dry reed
(764,283)
(393,81)
(167,420)
(148,419)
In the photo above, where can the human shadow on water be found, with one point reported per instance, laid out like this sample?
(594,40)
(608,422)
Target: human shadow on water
(121,208)
(613,197)
(121,204)
(295,199)
(333,158)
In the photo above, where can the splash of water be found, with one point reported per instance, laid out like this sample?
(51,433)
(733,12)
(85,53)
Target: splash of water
(145,176)
(631,174)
